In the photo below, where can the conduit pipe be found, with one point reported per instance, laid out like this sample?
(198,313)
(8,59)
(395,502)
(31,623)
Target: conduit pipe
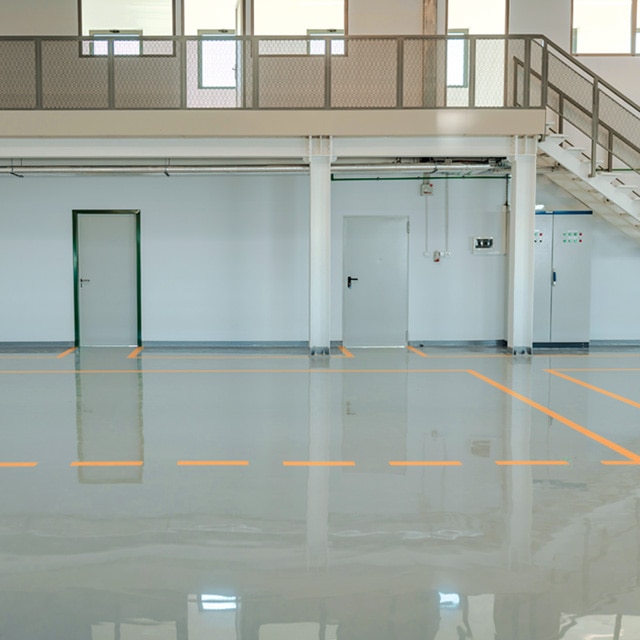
(169,170)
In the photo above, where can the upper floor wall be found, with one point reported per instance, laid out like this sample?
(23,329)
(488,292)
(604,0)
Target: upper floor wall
(551,18)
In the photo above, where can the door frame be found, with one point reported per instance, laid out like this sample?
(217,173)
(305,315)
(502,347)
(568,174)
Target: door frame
(76,284)
(407,220)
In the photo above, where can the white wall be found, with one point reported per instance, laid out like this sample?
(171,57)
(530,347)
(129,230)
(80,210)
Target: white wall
(226,258)
(462,297)
(39,17)
(221,259)
(385,17)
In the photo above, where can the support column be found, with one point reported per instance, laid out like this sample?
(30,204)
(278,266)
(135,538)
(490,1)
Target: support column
(320,247)
(521,228)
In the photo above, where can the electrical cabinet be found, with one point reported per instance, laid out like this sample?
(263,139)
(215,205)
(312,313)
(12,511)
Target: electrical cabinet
(562,278)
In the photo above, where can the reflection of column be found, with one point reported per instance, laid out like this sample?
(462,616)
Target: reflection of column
(320,248)
(318,480)
(521,226)
(520,477)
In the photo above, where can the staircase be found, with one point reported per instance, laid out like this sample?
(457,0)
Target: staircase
(592,151)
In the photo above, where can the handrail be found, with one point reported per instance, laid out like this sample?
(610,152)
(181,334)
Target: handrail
(589,72)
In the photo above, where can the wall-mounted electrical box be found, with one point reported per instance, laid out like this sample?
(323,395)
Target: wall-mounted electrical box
(485,245)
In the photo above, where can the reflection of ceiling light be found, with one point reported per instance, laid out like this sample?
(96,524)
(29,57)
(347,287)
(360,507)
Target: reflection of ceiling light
(212,602)
(449,600)
(540,207)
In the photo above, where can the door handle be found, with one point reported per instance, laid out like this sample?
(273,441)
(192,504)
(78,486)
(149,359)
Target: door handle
(350,280)
(555,278)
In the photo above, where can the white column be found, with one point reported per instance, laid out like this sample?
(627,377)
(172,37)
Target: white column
(319,249)
(521,228)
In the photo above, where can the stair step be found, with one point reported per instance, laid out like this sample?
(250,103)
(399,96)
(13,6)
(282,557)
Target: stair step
(632,187)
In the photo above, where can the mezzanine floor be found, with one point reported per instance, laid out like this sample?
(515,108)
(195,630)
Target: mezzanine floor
(262,495)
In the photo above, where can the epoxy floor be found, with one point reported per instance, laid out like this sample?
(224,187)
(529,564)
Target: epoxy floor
(424,494)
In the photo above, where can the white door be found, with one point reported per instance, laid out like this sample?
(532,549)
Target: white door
(107,279)
(375,281)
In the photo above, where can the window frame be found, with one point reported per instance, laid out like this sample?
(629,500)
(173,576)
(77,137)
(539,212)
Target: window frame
(634,25)
(222,34)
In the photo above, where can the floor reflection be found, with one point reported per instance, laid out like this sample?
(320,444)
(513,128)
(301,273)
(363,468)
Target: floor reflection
(272,552)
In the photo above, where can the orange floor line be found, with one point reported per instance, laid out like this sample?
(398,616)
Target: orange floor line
(66,353)
(135,352)
(425,463)
(345,352)
(212,463)
(556,416)
(422,354)
(18,464)
(108,463)
(319,463)
(532,463)
(604,392)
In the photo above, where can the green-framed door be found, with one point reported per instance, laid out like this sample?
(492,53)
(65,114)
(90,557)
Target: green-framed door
(106,258)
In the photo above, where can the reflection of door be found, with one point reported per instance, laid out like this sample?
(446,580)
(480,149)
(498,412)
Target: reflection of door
(109,418)
(375,306)
(107,302)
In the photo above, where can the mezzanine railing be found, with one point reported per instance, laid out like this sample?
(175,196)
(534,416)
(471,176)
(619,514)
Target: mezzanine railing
(357,72)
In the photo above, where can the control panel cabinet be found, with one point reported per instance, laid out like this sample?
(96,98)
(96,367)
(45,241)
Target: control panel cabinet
(562,280)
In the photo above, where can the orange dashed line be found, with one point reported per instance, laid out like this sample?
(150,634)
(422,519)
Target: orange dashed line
(66,353)
(212,463)
(108,463)
(539,463)
(604,392)
(345,352)
(18,464)
(425,463)
(422,354)
(319,463)
(135,352)
(556,416)
(619,462)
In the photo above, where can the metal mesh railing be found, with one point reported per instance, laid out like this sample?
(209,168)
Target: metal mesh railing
(251,72)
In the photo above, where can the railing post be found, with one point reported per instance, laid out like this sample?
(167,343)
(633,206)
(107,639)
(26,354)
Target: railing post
(327,72)
(400,74)
(182,42)
(526,75)
(38,61)
(610,151)
(111,74)
(472,71)
(255,74)
(544,83)
(595,121)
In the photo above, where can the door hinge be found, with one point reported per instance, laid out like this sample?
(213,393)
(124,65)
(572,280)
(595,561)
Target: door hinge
(408,226)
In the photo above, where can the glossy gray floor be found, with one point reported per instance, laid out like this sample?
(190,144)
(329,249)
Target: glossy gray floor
(379,494)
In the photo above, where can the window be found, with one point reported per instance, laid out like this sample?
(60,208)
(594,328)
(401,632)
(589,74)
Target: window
(218,59)
(317,47)
(150,17)
(477,16)
(458,58)
(125,43)
(202,16)
(297,17)
(605,27)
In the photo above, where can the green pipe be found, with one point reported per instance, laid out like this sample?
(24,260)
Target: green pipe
(423,178)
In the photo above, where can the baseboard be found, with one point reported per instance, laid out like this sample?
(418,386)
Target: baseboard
(495,344)
(227,344)
(35,345)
